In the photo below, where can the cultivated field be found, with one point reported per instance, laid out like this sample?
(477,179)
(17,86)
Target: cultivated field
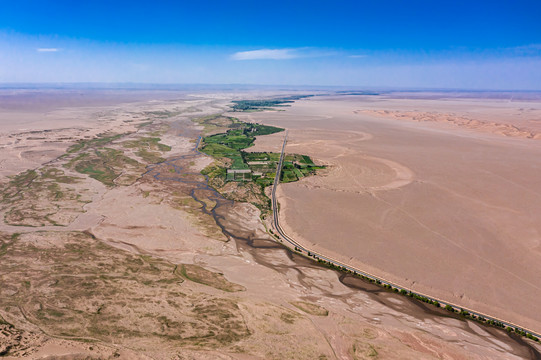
(241,175)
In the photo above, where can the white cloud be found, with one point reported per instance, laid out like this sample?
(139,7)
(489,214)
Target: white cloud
(266,54)
(282,54)
(358,56)
(47,49)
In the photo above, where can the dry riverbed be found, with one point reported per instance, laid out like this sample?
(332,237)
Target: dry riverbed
(112,246)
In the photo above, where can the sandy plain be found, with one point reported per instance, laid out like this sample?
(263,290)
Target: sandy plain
(420,196)
(137,267)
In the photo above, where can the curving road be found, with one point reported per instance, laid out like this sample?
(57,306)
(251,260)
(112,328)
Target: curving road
(310,253)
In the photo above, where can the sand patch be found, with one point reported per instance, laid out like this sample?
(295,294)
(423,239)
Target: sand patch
(456,120)
(361,174)
(468,207)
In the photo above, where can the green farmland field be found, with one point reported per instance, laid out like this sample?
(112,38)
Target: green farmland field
(228,148)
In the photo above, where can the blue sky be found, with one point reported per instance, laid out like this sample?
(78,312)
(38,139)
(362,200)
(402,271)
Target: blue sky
(363,43)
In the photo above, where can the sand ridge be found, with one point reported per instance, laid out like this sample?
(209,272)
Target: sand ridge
(460,121)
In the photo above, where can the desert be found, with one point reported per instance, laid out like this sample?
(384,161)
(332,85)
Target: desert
(304,180)
(450,207)
(114,246)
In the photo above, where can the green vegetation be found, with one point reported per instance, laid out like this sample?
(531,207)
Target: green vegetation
(347,92)
(230,143)
(228,147)
(5,243)
(361,350)
(203,276)
(372,352)
(57,176)
(77,286)
(148,148)
(93,143)
(36,197)
(251,172)
(260,105)
(104,165)
(112,166)
(150,157)
(143,124)
(162,114)
(151,143)
(217,123)
(310,308)
(288,318)
(3,322)
(19,182)
(214,171)
(296,167)
(262,165)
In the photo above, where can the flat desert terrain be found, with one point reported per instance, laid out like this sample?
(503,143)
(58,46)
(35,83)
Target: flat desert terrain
(113,246)
(439,193)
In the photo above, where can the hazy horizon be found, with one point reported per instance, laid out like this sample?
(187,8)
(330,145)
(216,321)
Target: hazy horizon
(392,44)
(247,86)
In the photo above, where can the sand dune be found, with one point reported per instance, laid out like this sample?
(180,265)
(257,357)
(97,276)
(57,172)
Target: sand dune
(452,119)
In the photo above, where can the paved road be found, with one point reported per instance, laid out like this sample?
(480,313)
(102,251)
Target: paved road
(274,187)
(301,249)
